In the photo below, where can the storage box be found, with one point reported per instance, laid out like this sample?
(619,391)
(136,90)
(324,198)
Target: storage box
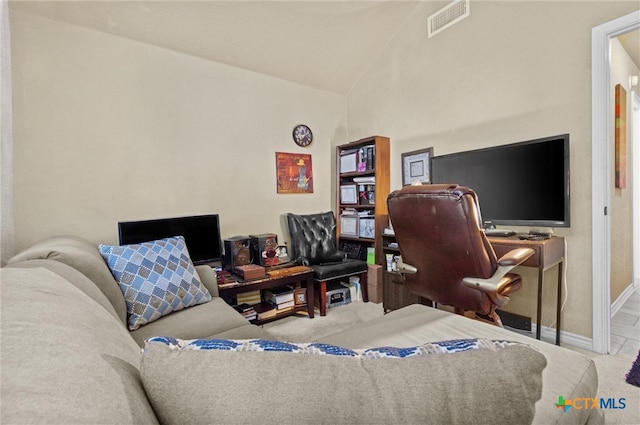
(250,271)
(374,283)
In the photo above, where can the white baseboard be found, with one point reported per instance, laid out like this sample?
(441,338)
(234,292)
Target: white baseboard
(549,335)
(624,296)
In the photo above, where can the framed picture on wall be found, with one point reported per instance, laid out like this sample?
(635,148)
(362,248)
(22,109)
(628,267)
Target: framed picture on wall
(415,166)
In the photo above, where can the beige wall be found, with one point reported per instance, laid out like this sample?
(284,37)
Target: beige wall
(511,71)
(108,129)
(622,199)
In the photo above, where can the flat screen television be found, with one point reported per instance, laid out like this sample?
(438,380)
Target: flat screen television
(201,234)
(518,184)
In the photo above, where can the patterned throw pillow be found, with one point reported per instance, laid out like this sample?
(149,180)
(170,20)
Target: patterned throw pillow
(156,278)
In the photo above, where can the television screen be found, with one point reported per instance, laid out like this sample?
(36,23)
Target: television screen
(201,234)
(519,184)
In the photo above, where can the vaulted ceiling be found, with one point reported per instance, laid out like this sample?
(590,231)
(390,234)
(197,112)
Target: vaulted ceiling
(318,43)
(322,44)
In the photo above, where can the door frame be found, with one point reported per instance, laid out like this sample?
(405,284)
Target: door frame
(601,175)
(635,157)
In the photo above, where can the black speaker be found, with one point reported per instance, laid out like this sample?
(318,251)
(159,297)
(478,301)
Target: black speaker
(237,252)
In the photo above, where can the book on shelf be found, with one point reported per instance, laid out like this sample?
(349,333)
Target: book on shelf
(366,158)
(366,194)
(226,279)
(284,306)
(279,295)
(251,297)
(265,310)
(247,311)
(365,180)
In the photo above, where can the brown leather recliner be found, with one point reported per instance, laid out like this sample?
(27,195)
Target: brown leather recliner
(447,257)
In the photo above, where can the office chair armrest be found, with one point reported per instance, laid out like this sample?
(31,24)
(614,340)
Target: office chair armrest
(493,286)
(404,268)
(515,257)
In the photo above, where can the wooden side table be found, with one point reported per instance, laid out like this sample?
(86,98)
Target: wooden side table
(296,275)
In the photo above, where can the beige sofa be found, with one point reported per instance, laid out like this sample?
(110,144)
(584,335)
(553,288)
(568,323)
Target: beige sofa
(68,357)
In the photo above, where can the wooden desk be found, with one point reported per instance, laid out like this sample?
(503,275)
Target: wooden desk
(547,253)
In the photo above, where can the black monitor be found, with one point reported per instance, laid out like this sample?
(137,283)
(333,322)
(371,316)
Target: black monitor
(519,184)
(201,234)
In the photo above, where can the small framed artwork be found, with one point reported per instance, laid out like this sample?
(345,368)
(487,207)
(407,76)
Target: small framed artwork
(348,161)
(300,296)
(294,173)
(367,228)
(415,166)
(349,225)
(348,194)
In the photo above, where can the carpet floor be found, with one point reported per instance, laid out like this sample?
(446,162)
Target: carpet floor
(611,368)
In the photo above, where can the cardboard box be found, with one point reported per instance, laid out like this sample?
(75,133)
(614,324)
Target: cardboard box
(374,283)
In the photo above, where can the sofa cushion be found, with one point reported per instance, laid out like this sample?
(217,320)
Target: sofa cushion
(340,386)
(156,278)
(83,256)
(198,321)
(65,360)
(568,373)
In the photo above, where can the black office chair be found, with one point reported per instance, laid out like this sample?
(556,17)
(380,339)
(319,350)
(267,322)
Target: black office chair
(438,229)
(313,244)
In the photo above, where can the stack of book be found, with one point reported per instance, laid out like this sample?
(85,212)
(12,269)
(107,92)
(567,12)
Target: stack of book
(265,310)
(226,279)
(251,297)
(281,297)
(366,190)
(247,311)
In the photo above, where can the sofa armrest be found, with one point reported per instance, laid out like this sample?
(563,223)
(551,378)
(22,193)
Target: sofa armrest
(209,279)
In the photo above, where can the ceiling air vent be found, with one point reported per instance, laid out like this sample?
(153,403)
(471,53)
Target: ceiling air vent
(447,16)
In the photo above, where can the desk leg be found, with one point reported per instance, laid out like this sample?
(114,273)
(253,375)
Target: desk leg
(559,302)
(539,313)
(310,297)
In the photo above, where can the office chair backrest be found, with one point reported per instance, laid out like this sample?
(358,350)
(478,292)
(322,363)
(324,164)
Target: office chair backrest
(438,228)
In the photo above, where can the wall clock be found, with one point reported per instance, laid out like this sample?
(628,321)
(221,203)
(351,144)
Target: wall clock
(302,135)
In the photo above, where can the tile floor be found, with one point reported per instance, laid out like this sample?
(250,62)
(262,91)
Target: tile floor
(625,327)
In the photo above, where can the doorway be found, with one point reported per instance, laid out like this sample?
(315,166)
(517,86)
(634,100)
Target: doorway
(601,175)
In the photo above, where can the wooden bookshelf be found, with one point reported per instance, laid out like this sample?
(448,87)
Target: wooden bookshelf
(371,198)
